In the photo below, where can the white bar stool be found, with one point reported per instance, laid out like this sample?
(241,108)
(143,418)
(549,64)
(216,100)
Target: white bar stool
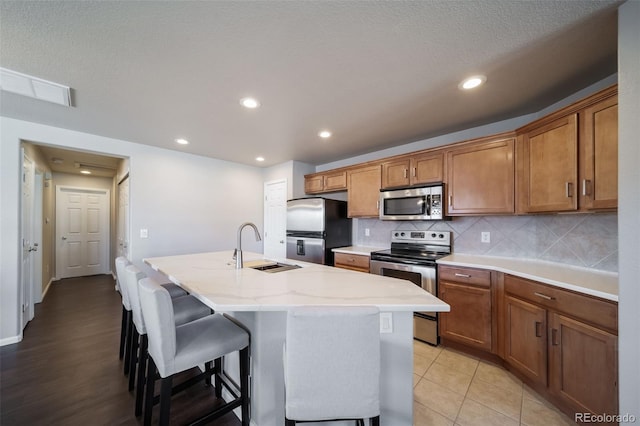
(186,309)
(332,364)
(176,349)
(126,331)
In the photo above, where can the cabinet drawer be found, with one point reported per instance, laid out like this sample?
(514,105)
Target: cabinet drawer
(478,277)
(590,309)
(352,261)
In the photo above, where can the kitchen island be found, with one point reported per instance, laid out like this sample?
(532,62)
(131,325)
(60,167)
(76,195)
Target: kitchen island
(260,300)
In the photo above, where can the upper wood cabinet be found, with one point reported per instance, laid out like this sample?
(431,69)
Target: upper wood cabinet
(363,194)
(550,168)
(480,178)
(568,161)
(413,170)
(330,181)
(599,161)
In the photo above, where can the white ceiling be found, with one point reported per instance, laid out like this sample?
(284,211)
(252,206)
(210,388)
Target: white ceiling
(376,73)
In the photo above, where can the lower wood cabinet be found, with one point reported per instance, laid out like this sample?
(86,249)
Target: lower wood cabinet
(583,365)
(563,342)
(526,338)
(468,292)
(354,262)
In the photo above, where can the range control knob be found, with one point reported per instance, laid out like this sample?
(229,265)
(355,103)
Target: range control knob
(441,236)
(402,234)
(395,234)
(433,235)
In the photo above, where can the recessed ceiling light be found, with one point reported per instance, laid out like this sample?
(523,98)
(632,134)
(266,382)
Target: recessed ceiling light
(85,172)
(182,141)
(250,103)
(325,134)
(472,82)
(259,158)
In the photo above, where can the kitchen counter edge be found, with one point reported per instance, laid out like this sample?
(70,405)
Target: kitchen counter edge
(583,280)
(360,250)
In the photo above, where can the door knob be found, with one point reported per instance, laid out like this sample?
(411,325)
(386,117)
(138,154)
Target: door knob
(64,238)
(281,241)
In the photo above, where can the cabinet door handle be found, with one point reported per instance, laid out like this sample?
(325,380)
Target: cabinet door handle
(544,296)
(554,337)
(450,201)
(405,173)
(538,329)
(568,189)
(462,275)
(586,185)
(413,172)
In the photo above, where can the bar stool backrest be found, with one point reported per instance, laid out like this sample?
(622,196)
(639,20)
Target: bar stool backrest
(121,265)
(157,310)
(131,277)
(332,363)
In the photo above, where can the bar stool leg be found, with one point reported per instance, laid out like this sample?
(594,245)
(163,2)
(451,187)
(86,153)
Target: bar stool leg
(123,332)
(149,392)
(218,380)
(244,385)
(127,349)
(133,358)
(142,366)
(165,400)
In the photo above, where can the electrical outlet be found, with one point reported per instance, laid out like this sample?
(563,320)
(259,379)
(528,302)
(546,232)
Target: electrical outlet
(367,232)
(485,237)
(386,322)
(144,233)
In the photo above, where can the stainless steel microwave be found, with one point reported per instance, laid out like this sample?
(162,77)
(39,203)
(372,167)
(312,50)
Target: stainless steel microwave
(421,203)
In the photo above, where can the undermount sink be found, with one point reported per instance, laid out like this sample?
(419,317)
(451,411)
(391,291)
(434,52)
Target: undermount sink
(275,267)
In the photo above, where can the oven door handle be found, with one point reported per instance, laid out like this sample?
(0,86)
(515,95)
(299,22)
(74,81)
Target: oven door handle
(402,261)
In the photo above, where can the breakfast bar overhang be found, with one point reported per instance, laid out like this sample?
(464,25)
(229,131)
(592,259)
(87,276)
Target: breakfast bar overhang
(260,301)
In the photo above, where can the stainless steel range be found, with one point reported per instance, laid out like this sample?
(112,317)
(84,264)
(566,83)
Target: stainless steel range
(412,257)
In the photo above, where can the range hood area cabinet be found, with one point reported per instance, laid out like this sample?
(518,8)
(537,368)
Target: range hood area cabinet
(568,161)
(418,169)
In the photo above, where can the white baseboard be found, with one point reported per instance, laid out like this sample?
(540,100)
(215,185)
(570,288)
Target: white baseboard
(11,340)
(46,289)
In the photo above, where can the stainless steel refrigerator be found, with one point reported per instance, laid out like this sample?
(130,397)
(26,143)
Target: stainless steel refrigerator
(316,225)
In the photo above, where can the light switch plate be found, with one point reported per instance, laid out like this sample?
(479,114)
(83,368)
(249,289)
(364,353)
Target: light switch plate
(144,233)
(485,237)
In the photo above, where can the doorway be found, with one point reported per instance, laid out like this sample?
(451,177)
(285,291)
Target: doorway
(275,219)
(82,231)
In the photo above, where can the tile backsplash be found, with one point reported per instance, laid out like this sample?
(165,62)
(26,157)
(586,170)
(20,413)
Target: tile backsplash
(584,240)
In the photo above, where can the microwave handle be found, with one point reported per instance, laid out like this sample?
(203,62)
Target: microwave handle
(428,212)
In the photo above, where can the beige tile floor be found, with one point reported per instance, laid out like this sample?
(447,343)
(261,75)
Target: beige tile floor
(451,388)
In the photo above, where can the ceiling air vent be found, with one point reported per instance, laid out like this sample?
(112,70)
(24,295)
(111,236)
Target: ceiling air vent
(33,87)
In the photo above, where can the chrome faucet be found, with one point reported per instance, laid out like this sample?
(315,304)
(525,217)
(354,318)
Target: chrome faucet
(238,252)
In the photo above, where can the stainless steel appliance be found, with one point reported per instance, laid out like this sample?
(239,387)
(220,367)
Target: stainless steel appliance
(315,226)
(412,257)
(419,203)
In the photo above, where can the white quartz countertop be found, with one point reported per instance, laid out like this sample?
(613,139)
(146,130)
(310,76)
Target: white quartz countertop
(212,278)
(583,280)
(361,250)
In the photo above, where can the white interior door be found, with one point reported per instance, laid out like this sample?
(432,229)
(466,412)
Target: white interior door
(123,218)
(28,172)
(38,217)
(275,219)
(82,232)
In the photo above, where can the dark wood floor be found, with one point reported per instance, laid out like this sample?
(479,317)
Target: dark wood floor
(66,370)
